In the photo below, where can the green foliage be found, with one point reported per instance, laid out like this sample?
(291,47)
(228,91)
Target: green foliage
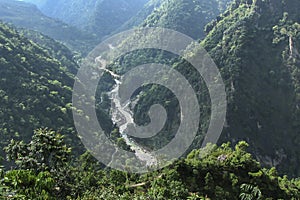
(55,49)
(27,185)
(34,88)
(180,14)
(249,192)
(255,44)
(45,152)
(251,43)
(223,173)
(85,175)
(28,16)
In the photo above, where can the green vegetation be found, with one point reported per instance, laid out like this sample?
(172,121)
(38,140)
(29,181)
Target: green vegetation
(177,15)
(255,44)
(44,171)
(185,16)
(36,88)
(27,16)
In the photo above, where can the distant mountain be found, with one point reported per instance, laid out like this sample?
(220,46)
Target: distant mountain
(101,17)
(38,3)
(26,15)
(186,16)
(138,19)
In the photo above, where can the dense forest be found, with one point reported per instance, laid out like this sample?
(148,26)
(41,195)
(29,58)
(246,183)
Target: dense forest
(44,170)
(28,16)
(259,60)
(255,46)
(254,43)
(178,14)
(36,87)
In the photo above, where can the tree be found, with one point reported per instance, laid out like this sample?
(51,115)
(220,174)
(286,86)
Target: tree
(25,184)
(45,153)
(250,192)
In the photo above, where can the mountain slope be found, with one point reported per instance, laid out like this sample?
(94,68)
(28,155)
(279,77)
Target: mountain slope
(38,3)
(35,89)
(27,16)
(186,16)
(256,46)
(138,19)
(36,81)
(101,17)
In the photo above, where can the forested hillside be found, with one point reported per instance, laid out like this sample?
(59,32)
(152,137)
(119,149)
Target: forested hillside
(37,78)
(144,12)
(100,17)
(225,173)
(185,16)
(255,44)
(28,16)
(36,88)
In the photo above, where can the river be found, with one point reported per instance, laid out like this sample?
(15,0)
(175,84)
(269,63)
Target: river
(122,116)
